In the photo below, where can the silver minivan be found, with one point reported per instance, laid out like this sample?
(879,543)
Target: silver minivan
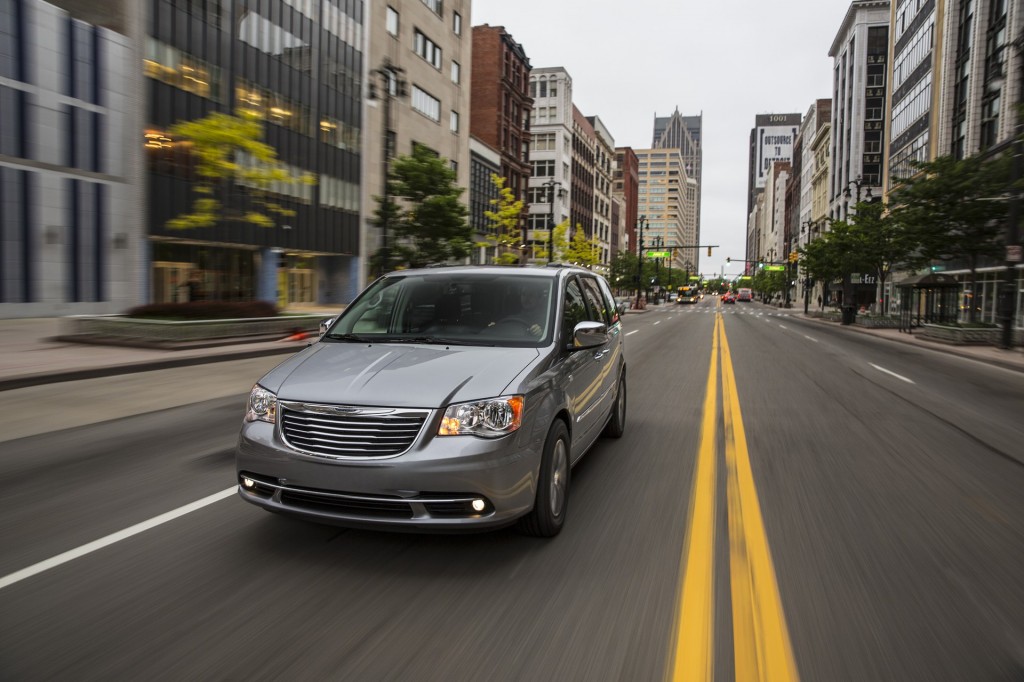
(451,398)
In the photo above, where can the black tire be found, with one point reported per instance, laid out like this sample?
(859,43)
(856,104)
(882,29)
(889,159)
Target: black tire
(552,500)
(617,422)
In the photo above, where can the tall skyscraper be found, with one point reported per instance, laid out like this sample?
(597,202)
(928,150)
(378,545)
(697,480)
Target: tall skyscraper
(685,134)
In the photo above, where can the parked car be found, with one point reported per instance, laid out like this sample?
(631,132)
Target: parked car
(623,303)
(446,398)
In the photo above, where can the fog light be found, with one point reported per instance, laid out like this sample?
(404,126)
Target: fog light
(248,483)
(478,505)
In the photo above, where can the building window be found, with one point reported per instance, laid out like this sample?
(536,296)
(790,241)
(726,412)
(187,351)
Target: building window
(545,168)
(426,104)
(456,72)
(457,23)
(427,48)
(392,21)
(169,65)
(454,122)
(543,142)
(436,6)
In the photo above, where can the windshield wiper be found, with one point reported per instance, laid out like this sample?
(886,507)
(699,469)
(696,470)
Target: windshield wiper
(436,340)
(348,337)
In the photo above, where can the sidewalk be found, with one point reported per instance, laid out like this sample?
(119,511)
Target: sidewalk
(1009,359)
(30,355)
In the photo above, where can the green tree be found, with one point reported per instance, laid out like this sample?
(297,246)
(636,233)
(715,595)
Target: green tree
(956,209)
(561,243)
(228,149)
(429,226)
(883,241)
(582,251)
(506,234)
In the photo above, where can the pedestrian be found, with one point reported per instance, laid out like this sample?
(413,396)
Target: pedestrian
(819,300)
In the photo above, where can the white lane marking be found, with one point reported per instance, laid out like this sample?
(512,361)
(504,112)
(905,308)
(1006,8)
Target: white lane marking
(810,339)
(883,369)
(632,332)
(782,326)
(657,323)
(88,548)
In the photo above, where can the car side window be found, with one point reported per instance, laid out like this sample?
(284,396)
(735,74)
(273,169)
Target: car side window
(609,300)
(574,310)
(599,311)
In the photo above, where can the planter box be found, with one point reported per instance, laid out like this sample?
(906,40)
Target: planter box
(960,336)
(120,330)
(877,322)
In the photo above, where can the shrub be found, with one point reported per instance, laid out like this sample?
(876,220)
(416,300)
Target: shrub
(204,310)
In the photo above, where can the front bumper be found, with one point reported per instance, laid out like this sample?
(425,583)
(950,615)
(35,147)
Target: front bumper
(432,486)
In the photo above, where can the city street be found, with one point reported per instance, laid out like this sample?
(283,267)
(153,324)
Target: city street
(843,508)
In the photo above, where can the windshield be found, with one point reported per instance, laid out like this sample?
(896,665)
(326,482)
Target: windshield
(465,308)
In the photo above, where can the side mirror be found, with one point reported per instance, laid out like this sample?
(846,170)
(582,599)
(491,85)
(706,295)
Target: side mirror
(589,335)
(325,325)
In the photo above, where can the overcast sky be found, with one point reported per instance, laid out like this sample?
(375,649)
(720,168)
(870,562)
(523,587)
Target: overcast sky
(727,59)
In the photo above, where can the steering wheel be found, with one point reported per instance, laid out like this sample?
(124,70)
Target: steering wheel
(516,320)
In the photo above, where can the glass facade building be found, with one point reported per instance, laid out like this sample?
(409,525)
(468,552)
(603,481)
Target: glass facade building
(297,65)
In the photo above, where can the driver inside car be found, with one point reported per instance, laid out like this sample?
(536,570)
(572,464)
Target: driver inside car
(533,310)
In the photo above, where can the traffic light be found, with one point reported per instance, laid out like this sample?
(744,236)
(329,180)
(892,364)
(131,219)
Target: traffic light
(709,252)
(728,259)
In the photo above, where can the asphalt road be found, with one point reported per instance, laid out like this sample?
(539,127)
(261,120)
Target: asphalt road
(888,480)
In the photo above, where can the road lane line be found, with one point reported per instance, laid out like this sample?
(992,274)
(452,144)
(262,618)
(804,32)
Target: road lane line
(632,332)
(810,339)
(782,326)
(762,648)
(88,548)
(883,369)
(694,643)
(657,323)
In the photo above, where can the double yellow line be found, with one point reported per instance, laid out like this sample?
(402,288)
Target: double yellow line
(762,650)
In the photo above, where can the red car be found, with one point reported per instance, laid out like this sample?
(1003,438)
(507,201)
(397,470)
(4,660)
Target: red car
(728,298)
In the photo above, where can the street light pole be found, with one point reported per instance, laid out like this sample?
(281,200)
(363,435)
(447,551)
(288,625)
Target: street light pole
(640,260)
(389,73)
(849,311)
(550,184)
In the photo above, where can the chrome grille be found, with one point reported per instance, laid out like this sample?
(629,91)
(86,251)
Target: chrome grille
(345,431)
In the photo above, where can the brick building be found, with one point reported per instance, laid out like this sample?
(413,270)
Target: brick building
(501,104)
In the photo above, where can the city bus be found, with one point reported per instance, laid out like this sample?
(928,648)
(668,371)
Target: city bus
(688,295)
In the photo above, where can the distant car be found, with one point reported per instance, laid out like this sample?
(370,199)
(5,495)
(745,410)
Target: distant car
(452,398)
(623,303)
(728,298)
(744,296)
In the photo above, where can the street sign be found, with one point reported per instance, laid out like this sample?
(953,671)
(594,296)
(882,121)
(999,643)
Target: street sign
(775,268)
(1014,253)
(659,254)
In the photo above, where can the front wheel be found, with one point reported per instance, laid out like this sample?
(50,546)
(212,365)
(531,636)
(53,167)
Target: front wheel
(549,506)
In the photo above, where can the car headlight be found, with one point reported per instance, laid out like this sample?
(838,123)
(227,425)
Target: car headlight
(262,405)
(485,418)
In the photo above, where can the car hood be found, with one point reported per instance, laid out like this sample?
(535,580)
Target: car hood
(396,375)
